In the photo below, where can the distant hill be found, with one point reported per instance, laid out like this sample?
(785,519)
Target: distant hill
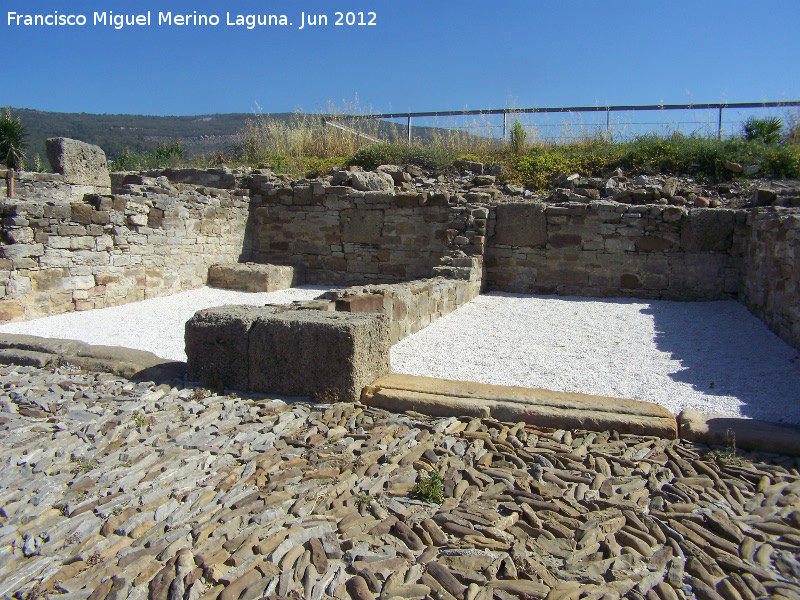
(139,133)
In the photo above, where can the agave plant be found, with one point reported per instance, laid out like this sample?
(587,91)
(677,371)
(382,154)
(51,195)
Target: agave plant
(12,141)
(767,130)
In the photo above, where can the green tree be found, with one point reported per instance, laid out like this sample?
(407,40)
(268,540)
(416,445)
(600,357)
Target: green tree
(12,141)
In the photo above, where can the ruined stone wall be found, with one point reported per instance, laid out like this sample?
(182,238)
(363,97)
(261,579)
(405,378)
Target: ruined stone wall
(63,249)
(413,305)
(771,282)
(344,235)
(45,186)
(609,249)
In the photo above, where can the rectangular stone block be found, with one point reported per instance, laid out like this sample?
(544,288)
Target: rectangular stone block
(217,346)
(521,224)
(328,355)
(252,277)
(370,303)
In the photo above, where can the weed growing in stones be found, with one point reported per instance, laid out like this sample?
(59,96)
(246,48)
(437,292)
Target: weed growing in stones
(429,487)
(83,465)
(138,419)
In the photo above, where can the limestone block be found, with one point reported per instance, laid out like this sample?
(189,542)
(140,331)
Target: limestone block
(252,277)
(708,229)
(369,303)
(80,163)
(749,434)
(521,224)
(372,182)
(544,408)
(328,355)
(362,226)
(217,346)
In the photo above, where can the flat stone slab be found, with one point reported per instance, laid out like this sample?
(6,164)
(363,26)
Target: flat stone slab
(46,352)
(544,408)
(253,277)
(749,434)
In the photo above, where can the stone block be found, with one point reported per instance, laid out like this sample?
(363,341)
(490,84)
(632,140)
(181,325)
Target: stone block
(78,162)
(362,226)
(372,182)
(328,355)
(81,213)
(217,345)
(543,408)
(369,303)
(652,243)
(708,229)
(521,224)
(252,277)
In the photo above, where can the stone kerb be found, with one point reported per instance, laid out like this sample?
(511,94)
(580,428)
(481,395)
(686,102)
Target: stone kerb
(330,356)
(253,277)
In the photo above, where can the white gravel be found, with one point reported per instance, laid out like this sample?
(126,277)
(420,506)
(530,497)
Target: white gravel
(711,356)
(715,357)
(156,324)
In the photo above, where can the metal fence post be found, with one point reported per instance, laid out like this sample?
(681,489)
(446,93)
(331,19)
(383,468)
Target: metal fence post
(409,130)
(608,119)
(504,126)
(719,125)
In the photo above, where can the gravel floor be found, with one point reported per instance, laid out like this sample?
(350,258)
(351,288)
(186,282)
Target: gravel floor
(155,325)
(714,357)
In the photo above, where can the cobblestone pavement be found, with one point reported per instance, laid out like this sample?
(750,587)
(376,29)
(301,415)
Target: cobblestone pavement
(111,489)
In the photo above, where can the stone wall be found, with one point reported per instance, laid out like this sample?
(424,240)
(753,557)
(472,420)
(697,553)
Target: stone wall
(771,282)
(413,305)
(65,249)
(44,186)
(345,235)
(609,249)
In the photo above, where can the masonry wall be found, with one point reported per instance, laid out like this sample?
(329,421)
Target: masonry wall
(342,235)
(413,305)
(771,282)
(610,249)
(65,249)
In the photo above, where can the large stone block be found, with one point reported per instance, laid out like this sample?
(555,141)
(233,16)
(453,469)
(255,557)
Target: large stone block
(328,355)
(521,224)
(253,277)
(708,229)
(217,346)
(362,226)
(80,163)
(372,182)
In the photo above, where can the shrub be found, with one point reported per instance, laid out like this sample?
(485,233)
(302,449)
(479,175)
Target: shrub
(767,130)
(375,155)
(518,135)
(427,157)
(12,141)
(170,154)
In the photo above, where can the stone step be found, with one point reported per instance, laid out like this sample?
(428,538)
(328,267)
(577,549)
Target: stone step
(544,408)
(750,434)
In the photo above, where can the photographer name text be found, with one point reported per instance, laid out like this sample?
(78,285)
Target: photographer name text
(195,19)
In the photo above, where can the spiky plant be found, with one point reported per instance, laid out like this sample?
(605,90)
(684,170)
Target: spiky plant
(12,141)
(767,130)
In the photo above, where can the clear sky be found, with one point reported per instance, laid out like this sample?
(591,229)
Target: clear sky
(419,56)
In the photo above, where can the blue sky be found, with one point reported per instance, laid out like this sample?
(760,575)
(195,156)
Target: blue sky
(419,56)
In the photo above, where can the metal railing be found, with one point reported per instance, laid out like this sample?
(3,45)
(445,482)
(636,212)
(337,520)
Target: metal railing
(506,112)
